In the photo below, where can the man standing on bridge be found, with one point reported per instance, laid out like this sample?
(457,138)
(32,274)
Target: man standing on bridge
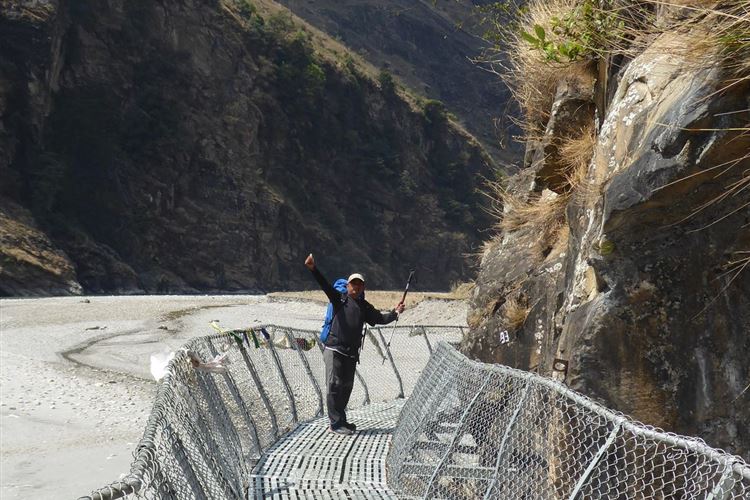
(341,353)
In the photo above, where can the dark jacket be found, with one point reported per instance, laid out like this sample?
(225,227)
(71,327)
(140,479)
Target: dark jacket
(349,316)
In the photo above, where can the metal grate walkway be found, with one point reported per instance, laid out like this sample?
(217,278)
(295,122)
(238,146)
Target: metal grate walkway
(312,463)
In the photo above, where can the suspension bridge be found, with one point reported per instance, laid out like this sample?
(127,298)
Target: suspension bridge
(431,424)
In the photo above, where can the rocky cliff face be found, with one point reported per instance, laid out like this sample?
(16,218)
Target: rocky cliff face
(635,281)
(195,146)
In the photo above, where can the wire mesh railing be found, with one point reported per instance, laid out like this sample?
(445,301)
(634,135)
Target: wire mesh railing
(467,430)
(207,429)
(473,430)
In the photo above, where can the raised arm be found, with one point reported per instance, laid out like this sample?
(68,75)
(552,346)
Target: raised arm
(330,292)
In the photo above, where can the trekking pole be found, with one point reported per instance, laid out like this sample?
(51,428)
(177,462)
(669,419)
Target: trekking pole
(403,301)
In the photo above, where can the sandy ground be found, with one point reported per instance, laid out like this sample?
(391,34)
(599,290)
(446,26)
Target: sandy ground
(75,384)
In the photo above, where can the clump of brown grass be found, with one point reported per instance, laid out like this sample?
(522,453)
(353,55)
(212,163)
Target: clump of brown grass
(600,30)
(704,32)
(545,210)
(533,71)
(462,291)
(531,78)
(533,81)
(544,214)
(578,150)
(513,212)
(540,217)
(515,311)
(575,155)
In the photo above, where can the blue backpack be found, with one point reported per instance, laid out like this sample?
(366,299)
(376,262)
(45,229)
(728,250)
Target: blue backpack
(340,286)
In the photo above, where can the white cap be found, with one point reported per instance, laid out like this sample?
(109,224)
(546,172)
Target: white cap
(356,276)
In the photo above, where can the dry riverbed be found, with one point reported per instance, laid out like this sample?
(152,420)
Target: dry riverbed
(75,383)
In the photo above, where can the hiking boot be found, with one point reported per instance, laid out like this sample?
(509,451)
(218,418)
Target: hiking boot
(341,430)
(349,426)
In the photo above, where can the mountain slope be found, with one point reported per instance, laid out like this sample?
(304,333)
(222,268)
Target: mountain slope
(428,45)
(204,146)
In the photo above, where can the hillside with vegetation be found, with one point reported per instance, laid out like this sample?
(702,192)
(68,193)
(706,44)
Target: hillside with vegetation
(156,146)
(432,47)
(620,263)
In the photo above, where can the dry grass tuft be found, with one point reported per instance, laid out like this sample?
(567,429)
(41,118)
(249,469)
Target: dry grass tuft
(544,214)
(513,212)
(576,154)
(515,312)
(541,217)
(462,291)
(546,210)
(702,31)
(577,151)
(523,68)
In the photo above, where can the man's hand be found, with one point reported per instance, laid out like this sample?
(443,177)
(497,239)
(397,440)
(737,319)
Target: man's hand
(310,262)
(399,307)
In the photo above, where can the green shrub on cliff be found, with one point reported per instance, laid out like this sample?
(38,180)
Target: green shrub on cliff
(280,23)
(314,78)
(536,44)
(435,112)
(247,9)
(582,32)
(387,84)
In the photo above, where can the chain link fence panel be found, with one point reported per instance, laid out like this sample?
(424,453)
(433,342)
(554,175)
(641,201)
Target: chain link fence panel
(468,430)
(474,430)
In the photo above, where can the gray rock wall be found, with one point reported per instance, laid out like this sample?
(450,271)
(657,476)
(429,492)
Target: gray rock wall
(637,291)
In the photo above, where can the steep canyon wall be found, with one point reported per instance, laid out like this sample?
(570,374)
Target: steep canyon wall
(163,146)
